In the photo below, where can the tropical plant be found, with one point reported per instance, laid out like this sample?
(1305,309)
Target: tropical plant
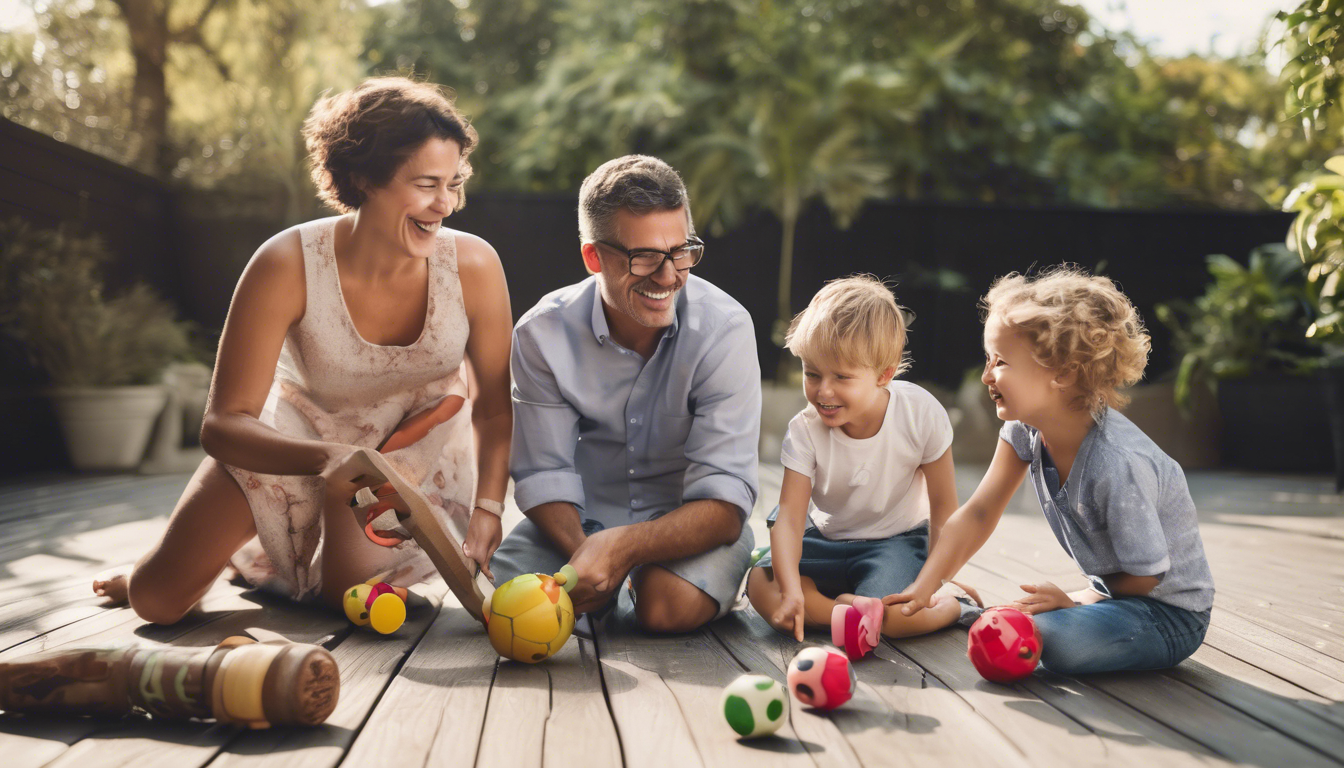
(1251,319)
(52,301)
(1314,42)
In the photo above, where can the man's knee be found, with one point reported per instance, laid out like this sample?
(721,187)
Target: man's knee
(666,603)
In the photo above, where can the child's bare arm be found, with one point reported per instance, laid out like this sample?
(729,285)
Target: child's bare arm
(941,480)
(1130,585)
(967,529)
(786,548)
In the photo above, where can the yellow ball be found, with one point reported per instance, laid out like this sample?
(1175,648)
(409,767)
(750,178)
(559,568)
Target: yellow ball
(353,602)
(530,618)
(387,613)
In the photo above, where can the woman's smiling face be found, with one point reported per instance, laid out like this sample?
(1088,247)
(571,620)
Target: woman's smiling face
(411,206)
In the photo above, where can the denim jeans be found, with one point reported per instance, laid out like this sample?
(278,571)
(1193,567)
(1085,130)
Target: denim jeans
(1127,633)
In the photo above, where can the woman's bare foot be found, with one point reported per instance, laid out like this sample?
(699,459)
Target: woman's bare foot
(112,585)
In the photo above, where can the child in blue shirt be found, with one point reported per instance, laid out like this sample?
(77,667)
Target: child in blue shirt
(1058,347)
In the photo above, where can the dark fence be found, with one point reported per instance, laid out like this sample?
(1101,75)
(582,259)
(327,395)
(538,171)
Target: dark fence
(1154,255)
(195,258)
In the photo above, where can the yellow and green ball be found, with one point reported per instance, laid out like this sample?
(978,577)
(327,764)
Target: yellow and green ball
(529,617)
(755,705)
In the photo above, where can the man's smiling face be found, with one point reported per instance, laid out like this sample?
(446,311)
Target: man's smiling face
(649,301)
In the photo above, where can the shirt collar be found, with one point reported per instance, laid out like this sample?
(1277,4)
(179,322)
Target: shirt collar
(602,332)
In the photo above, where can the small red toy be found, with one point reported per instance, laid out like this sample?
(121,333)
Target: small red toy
(821,678)
(1004,645)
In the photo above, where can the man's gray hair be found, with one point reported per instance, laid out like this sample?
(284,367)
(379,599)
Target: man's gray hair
(636,183)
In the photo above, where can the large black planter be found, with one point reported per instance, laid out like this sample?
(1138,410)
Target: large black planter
(1276,424)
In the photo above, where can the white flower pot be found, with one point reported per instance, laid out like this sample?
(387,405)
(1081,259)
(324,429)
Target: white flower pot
(107,427)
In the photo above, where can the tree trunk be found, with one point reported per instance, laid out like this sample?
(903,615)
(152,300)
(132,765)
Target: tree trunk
(147,22)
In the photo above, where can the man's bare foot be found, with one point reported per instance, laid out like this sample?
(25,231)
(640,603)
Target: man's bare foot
(111,585)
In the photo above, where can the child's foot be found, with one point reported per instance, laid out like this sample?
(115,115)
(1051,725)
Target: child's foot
(112,585)
(957,590)
(857,628)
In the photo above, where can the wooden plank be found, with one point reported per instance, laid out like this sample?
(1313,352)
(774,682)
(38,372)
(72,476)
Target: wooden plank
(1220,713)
(894,701)
(368,663)
(580,731)
(433,710)
(664,692)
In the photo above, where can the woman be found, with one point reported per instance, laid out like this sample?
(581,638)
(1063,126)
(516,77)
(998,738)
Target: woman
(340,330)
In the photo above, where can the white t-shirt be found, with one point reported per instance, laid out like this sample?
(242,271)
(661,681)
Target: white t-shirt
(870,488)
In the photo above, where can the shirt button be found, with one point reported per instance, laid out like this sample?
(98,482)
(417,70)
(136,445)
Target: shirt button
(632,421)
(632,471)
(630,448)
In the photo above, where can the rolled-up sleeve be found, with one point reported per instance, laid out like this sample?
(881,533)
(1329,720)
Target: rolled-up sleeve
(545,430)
(726,424)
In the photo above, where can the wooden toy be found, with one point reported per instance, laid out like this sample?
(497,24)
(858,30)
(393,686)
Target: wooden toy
(1004,645)
(529,617)
(754,705)
(412,510)
(239,681)
(821,677)
(376,604)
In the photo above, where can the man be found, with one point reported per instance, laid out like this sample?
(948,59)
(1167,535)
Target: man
(637,406)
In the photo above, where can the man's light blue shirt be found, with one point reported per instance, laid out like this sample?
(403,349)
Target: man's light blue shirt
(624,439)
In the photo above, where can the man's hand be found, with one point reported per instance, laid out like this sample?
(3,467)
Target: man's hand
(788,617)
(914,599)
(484,533)
(602,564)
(1041,598)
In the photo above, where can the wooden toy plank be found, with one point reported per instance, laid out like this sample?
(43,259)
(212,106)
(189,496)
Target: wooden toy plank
(444,550)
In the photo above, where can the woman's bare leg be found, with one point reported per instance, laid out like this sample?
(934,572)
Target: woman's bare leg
(211,521)
(342,538)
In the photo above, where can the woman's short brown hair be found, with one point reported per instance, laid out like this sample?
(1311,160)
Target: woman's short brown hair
(367,133)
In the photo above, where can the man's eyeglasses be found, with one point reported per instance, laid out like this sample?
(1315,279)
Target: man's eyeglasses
(646,261)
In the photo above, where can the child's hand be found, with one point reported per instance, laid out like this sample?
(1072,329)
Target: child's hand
(788,617)
(484,533)
(913,600)
(1042,598)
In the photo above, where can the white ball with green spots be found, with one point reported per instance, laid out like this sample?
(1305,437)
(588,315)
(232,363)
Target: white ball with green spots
(755,705)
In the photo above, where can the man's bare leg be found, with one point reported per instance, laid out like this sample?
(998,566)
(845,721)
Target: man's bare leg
(665,602)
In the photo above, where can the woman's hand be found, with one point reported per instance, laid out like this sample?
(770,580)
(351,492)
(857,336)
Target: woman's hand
(346,470)
(789,617)
(1042,598)
(484,533)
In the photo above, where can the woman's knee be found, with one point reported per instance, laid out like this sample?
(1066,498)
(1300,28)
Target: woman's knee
(156,600)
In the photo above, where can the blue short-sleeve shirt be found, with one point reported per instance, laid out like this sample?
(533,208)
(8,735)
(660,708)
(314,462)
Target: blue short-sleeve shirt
(1125,507)
(626,439)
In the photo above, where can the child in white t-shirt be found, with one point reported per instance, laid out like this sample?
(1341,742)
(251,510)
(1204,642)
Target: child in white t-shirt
(868,478)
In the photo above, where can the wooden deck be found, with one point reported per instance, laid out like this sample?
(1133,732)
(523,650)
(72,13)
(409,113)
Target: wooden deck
(1265,690)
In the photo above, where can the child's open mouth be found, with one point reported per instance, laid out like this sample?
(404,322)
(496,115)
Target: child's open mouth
(828,410)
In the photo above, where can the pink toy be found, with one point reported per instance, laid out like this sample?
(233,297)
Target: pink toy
(857,628)
(821,678)
(1004,645)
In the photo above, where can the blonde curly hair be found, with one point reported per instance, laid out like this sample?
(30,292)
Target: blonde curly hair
(855,321)
(1075,322)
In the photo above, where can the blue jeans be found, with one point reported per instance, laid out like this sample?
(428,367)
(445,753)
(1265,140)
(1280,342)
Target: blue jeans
(1128,633)
(865,567)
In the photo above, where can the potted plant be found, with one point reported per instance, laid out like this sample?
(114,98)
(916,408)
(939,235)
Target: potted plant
(1245,340)
(1317,236)
(103,356)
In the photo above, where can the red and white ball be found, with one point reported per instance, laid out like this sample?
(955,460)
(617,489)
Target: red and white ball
(1004,645)
(821,677)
